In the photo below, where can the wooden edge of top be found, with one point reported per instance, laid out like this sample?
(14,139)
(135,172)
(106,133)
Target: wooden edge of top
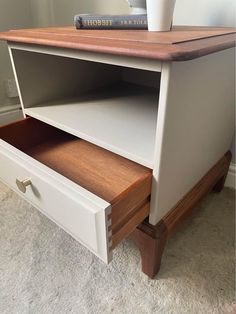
(164,52)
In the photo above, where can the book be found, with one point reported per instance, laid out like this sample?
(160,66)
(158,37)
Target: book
(132,21)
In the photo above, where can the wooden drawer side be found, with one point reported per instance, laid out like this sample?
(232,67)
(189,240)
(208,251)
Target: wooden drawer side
(132,208)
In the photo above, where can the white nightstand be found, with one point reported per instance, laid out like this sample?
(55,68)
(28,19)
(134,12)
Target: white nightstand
(119,127)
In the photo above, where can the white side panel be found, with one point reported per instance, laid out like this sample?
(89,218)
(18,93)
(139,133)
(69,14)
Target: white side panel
(195,125)
(17,81)
(80,213)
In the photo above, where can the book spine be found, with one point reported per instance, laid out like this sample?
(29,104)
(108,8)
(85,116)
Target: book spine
(135,21)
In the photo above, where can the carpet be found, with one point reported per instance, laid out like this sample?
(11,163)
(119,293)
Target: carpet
(44,270)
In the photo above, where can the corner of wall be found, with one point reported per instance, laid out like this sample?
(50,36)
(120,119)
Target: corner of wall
(231,178)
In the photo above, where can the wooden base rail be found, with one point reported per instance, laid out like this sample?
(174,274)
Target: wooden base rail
(151,240)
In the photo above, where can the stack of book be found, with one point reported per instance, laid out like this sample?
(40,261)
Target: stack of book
(132,21)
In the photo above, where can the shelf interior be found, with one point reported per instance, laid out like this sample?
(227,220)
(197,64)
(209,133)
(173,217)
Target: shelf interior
(112,106)
(119,118)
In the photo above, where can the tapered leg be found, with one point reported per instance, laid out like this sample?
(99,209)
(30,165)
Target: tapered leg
(218,187)
(151,242)
(220,184)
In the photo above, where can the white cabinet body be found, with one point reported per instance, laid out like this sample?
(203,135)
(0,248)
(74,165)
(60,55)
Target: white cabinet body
(178,121)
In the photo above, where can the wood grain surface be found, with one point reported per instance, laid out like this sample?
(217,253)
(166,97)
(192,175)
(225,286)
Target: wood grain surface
(97,170)
(101,172)
(182,43)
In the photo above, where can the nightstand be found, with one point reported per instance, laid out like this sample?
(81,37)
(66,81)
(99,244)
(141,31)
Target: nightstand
(124,132)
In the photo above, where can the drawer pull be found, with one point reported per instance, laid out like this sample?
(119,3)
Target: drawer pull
(22,184)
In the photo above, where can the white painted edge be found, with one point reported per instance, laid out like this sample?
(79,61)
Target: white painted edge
(125,61)
(16,78)
(163,97)
(231,177)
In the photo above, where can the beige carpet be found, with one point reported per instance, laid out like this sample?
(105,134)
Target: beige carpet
(43,270)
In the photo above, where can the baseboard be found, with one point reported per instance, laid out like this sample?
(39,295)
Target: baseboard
(10,114)
(231,178)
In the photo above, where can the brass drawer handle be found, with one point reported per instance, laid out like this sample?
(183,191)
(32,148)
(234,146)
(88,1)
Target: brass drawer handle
(22,184)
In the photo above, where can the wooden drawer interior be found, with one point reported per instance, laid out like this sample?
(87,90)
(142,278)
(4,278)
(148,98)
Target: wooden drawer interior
(124,184)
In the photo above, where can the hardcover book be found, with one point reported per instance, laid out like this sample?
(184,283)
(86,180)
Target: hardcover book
(133,21)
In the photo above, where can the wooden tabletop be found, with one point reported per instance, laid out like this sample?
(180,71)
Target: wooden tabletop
(180,44)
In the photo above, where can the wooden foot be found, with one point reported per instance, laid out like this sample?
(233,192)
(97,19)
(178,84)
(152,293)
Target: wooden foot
(151,239)
(151,242)
(220,184)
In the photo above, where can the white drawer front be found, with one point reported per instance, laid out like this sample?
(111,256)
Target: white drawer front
(79,212)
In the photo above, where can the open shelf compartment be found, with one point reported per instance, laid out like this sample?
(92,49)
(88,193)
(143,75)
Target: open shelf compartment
(111,106)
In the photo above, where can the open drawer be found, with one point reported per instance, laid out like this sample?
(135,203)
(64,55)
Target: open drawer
(95,195)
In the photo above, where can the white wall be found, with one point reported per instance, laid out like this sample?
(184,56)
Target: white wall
(187,12)
(13,14)
(42,12)
(61,12)
(205,12)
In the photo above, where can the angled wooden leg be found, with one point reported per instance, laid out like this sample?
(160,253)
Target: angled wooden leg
(220,184)
(151,239)
(218,187)
(151,242)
